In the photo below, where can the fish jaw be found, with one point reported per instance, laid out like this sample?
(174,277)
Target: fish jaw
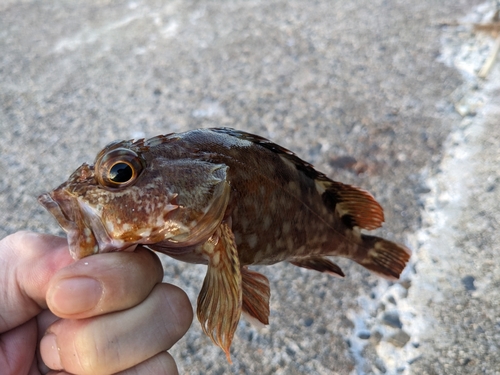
(81,239)
(86,231)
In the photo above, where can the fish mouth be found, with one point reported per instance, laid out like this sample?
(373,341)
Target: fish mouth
(85,230)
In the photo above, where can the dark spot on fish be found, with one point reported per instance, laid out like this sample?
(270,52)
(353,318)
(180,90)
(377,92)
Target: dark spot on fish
(330,199)
(468,283)
(348,220)
(157,92)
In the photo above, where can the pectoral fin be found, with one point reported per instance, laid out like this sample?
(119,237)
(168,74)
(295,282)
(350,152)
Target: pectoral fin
(256,294)
(220,298)
(319,264)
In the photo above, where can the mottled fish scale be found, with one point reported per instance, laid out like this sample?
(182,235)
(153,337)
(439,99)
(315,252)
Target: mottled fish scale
(292,201)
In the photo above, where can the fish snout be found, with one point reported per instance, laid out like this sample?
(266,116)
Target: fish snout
(63,207)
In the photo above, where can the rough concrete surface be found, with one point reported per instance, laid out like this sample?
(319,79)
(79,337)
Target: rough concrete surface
(382,94)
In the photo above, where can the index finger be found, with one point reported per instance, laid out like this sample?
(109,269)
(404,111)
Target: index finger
(104,283)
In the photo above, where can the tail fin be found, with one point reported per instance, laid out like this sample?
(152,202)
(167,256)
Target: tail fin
(383,257)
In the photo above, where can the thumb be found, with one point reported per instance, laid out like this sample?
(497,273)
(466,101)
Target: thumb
(27,263)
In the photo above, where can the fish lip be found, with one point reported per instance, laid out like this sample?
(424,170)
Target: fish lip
(63,206)
(60,205)
(48,201)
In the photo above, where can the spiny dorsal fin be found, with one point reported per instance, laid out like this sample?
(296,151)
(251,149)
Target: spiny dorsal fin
(355,206)
(319,264)
(256,294)
(303,166)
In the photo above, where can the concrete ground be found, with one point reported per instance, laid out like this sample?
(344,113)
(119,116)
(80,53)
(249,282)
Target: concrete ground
(382,94)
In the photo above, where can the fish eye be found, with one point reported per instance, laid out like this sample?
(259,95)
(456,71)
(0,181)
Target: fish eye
(121,173)
(118,168)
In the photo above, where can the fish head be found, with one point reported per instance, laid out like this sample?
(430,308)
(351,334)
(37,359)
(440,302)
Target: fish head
(137,193)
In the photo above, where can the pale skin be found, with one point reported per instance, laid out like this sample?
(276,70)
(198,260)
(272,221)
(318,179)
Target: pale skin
(104,314)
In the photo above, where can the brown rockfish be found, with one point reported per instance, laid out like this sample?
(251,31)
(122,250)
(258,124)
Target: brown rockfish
(224,198)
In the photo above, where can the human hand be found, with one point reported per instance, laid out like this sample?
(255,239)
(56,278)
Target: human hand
(115,313)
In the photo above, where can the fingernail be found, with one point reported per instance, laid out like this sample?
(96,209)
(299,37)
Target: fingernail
(75,295)
(50,352)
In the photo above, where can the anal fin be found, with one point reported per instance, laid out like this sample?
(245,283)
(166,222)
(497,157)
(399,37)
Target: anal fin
(220,298)
(256,295)
(320,264)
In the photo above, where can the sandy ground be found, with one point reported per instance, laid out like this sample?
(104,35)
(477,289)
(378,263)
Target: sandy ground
(381,94)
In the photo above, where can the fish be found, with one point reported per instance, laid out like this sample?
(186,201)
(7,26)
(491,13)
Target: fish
(228,199)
